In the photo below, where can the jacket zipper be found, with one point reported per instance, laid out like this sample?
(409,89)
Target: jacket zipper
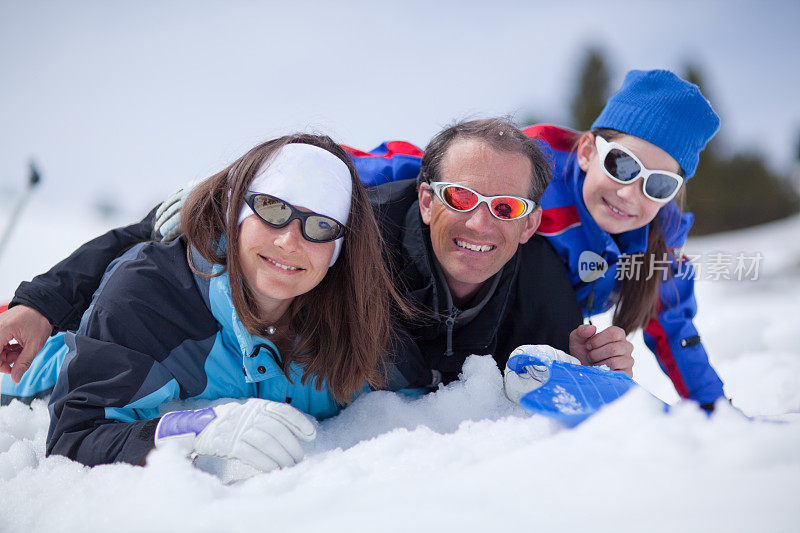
(451,320)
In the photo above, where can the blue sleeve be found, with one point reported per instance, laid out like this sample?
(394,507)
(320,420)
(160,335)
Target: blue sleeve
(391,161)
(95,417)
(671,335)
(118,370)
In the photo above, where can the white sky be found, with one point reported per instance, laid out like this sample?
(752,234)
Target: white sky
(132,99)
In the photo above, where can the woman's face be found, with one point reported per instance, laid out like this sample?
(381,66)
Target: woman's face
(618,207)
(280,264)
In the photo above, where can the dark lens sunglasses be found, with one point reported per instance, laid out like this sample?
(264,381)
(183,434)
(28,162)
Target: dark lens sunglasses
(276,213)
(622,166)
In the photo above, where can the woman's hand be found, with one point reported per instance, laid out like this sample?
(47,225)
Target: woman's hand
(262,433)
(30,329)
(608,347)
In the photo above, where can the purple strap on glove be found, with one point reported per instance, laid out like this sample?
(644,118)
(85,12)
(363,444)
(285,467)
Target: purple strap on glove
(182,422)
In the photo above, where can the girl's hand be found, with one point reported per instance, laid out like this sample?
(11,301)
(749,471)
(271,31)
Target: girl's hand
(608,347)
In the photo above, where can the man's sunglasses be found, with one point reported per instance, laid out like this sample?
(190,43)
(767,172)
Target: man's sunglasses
(276,213)
(623,167)
(460,198)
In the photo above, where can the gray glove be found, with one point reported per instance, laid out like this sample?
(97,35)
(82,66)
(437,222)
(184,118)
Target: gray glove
(167,224)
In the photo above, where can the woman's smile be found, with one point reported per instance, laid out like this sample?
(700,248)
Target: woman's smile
(283,266)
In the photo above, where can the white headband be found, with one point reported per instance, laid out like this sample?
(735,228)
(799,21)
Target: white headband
(306,176)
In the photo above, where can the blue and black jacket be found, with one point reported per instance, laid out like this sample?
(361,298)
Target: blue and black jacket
(155,333)
(569,227)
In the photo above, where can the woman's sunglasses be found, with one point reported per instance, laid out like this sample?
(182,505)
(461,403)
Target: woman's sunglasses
(460,198)
(623,167)
(276,213)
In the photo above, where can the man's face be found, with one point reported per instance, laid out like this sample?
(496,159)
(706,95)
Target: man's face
(471,247)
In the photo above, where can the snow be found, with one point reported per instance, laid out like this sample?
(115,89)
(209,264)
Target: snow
(464,458)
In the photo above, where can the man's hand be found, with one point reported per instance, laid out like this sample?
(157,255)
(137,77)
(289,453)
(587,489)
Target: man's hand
(608,347)
(167,222)
(523,375)
(30,329)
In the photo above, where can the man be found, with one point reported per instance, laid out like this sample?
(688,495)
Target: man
(487,283)
(483,283)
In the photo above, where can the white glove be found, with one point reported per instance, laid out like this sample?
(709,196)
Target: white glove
(522,376)
(167,222)
(264,434)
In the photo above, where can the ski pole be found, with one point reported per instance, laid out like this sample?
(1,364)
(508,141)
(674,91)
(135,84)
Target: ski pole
(33,180)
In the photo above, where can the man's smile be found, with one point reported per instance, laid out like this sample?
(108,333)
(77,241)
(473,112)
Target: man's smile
(475,247)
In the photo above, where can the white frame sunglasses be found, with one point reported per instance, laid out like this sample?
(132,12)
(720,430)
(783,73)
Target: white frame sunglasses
(604,147)
(439,186)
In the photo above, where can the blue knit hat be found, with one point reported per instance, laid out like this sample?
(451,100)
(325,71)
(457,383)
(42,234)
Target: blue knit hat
(664,110)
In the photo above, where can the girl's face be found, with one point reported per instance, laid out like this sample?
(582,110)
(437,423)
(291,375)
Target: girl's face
(280,264)
(618,207)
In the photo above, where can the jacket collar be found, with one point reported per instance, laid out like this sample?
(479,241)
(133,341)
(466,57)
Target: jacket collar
(429,289)
(260,356)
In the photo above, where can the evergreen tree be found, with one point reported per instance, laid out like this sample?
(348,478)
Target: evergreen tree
(592,91)
(734,192)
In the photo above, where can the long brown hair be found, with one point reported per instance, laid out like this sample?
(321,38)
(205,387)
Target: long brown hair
(344,323)
(638,299)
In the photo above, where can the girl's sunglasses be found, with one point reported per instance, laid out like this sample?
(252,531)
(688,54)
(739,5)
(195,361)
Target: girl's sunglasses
(460,198)
(276,213)
(623,167)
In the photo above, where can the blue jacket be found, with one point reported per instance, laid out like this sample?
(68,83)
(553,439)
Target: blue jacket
(154,333)
(571,230)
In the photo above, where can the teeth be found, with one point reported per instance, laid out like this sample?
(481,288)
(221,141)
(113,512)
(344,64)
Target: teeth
(474,247)
(617,210)
(285,267)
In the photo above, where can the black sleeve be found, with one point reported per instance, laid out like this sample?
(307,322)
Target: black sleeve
(99,380)
(116,373)
(63,293)
(407,366)
(545,309)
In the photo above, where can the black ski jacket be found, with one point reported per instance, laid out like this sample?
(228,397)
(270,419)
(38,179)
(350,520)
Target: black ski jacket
(530,301)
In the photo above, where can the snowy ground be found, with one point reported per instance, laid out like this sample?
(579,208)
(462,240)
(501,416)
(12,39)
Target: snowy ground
(464,458)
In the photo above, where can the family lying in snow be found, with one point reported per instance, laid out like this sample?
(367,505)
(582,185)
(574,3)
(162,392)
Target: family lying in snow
(293,285)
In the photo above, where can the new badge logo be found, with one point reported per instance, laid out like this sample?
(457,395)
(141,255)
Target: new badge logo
(591,266)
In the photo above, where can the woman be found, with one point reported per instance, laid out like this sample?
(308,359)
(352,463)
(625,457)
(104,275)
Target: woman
(265,300)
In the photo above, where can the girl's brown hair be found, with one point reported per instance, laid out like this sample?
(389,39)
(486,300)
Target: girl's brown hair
(344,323)
(638,298)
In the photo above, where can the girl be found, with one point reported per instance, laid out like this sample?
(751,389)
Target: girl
(615,199)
